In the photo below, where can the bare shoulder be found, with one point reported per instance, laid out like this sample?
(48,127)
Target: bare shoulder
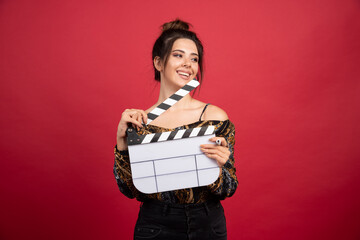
(215,113)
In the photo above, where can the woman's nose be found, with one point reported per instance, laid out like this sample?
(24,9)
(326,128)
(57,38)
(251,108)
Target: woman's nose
(187,62)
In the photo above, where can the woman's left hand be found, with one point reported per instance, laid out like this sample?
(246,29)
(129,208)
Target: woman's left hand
(220,153)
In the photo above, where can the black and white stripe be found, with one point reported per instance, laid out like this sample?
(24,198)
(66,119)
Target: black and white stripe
(162,107)
(173,135)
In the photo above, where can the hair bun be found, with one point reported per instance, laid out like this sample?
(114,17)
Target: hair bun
(176,24)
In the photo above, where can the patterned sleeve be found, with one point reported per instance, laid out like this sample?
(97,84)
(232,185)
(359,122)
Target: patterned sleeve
(227,182)
(122,173)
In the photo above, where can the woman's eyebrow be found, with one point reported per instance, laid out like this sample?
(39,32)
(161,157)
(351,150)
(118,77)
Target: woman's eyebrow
(184,52)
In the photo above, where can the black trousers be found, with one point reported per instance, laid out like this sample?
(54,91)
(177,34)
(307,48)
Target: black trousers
(181,221)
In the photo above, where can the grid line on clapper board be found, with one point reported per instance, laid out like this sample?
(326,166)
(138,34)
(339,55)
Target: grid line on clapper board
(171,160)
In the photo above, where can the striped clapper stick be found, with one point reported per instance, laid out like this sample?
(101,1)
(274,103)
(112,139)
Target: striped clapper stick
(171,160)
(165,105)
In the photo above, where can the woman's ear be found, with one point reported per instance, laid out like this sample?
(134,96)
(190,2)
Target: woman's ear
(158,63)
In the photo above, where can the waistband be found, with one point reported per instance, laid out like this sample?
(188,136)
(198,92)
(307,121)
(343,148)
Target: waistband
(166,208)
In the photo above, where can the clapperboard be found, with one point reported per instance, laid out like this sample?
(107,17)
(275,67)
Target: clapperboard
(171,160)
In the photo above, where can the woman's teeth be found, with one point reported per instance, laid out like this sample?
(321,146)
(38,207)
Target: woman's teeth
(184,74)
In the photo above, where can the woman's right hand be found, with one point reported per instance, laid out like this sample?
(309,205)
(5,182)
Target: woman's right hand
(134,116)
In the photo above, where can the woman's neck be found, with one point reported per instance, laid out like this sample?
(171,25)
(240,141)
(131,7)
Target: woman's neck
(166,92)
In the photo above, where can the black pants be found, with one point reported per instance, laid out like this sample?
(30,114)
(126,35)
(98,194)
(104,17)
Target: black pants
(181,221)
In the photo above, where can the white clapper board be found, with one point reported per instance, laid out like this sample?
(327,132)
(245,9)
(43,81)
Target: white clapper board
(171,160)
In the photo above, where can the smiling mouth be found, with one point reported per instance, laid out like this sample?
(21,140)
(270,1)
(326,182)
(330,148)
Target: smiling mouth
(183,74)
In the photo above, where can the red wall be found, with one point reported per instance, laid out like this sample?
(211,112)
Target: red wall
(286,72)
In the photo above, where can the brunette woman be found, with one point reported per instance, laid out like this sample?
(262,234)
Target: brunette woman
(193,213)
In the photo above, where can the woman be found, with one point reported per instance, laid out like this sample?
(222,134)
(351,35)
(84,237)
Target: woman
(193,213)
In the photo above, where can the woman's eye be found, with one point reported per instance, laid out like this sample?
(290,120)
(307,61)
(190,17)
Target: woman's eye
(177,55)
(195,60)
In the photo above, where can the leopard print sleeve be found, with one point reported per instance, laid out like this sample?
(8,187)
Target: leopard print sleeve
(122,173)
(226,184)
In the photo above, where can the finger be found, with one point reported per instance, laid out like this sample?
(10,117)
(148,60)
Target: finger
(224,151)
(130,116)
(141,116)
(139,119)
(134,122)
(213,146)
(223,140)
(134,112)
(215,151)
(219,160)
(144,116)
(131,112)
(135,115)
(224,155)
(209,145)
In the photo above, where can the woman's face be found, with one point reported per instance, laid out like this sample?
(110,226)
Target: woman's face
(182,65)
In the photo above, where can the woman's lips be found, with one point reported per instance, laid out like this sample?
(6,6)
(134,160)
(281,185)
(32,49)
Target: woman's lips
(184,75)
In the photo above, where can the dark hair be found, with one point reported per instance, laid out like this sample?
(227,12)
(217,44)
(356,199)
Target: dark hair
(171,32)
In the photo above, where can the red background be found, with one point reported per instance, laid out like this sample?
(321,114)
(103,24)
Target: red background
(286,72)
